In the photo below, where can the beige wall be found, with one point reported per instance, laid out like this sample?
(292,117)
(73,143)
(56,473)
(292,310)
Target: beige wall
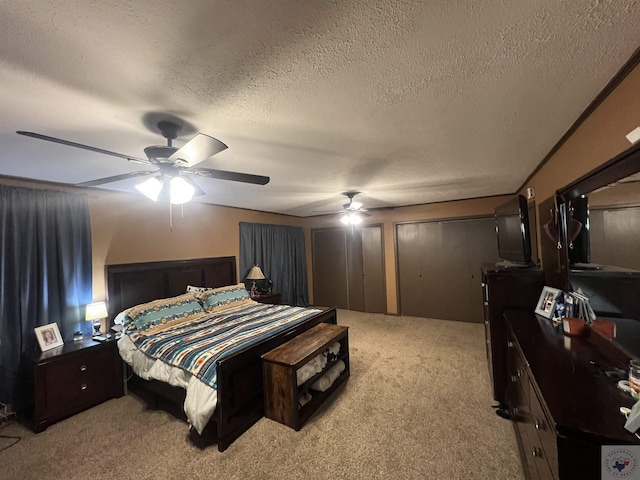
(600,138)
(127,228)
(388,218)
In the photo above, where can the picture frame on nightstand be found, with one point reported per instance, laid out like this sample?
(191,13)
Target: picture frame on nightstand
(546,305)
(48,336)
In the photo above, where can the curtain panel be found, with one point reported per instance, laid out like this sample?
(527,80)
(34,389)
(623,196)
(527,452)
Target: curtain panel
(45,272)
(280,252)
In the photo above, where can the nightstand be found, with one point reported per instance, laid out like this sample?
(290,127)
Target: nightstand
(71,378)
(272,298)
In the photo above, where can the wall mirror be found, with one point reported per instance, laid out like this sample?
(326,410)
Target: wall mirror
(601,246)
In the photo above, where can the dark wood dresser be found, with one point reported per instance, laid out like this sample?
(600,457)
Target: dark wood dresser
(563,398)
(505,288)
(69,379)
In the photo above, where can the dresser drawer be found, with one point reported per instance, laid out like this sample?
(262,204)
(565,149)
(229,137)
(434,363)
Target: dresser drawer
(544,430)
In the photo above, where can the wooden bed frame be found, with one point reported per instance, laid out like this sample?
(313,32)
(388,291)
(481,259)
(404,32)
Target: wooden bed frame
(240,386)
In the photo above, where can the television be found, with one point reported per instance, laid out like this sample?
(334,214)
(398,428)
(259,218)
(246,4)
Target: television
(513,232)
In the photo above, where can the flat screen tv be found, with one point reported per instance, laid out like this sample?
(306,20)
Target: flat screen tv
(512,229)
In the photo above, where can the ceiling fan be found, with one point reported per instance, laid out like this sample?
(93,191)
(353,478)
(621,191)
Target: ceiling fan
(352,212)
(173,164)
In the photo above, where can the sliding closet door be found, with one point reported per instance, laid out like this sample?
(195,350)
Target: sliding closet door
(375,293)
(439,267)
(348,268)
(329,268)
(355,271)
(410,269)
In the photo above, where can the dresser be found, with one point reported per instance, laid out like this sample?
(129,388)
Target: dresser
(69,379)
(563,399)
(505,288)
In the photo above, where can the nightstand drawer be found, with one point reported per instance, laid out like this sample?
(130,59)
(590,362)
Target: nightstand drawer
(78,380)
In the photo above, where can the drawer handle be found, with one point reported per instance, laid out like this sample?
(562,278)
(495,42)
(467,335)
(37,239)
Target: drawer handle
(519,372)
(83,368)
(539,425)
(83,386)
(536,452)
(510,344)
(514,379)
(515,410)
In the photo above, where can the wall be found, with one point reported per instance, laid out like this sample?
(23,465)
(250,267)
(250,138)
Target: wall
(600,138)
(127,228)
(388,218)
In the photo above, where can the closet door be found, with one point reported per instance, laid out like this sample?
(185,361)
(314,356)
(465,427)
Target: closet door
(355,270)
(439,267)
(329,254)
(348,268)
(410,269)
(375,292)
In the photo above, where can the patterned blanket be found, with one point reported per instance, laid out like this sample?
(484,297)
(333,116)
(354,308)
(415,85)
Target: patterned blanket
(196,346)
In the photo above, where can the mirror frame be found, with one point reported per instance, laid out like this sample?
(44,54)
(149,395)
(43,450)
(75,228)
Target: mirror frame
(621,166)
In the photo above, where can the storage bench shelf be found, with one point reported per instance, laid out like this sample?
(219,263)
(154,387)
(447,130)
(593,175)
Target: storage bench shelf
(280,367)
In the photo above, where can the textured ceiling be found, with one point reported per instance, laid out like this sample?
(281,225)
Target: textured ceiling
(406,101)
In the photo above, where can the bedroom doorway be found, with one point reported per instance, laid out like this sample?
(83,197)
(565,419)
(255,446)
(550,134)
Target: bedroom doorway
(348,268)
(439,266)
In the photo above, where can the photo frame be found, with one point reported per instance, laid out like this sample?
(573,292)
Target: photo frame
(48,336)
(546,305)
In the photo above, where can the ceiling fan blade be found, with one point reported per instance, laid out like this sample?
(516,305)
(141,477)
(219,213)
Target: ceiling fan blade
(84,147)
(197,149)
(115,178)
(233,176)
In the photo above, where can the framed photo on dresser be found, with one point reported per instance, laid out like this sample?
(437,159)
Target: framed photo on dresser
(48,336)
(546,305)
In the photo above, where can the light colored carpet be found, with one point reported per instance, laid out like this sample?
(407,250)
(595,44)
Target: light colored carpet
(417,406)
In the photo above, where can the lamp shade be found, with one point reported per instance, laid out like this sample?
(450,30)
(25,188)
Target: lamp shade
(96,311)
(180,191)
(255,273)
(151,188)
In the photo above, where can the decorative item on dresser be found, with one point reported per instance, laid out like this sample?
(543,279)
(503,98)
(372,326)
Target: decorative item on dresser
(287,394)
(64,381)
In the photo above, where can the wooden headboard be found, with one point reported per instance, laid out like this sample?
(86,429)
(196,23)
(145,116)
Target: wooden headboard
(130,284)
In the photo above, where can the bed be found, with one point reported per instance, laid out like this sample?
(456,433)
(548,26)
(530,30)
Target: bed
(239,385)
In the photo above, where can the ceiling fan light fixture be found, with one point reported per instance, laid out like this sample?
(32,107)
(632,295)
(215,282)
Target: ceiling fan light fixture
(150,188)
(351,219)
(180,191)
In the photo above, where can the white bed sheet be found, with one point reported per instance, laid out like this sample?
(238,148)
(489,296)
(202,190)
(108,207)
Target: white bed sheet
(201,399)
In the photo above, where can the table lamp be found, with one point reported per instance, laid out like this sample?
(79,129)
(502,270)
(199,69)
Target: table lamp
(254,274)
(96,312)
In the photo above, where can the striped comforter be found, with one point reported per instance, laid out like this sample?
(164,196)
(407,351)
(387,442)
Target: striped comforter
(196,346)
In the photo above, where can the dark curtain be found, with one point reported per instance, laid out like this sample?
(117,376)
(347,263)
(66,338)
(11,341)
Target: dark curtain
(280,253)
(45,272)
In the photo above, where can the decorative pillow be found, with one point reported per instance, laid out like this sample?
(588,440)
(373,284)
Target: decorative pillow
(194,290)
(161,312)
(217,298)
